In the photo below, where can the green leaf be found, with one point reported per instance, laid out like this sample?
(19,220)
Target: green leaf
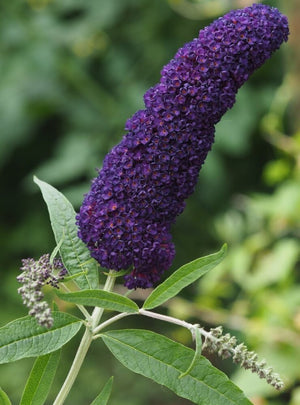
(99,298)
(56,250)
(75,255)
(77,275)
(163,360)
(116,274)
(104,395)
(4,400)
(25,338)
(182,277)
(197,354)
(55,306)
(40,380)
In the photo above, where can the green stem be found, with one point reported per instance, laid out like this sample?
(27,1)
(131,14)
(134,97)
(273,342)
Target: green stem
(110,321)
(83,347)
(166,318)
(78,360)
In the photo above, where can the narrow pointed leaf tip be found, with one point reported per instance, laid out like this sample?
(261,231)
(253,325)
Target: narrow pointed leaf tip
(163,361)
(4,400)
(103,397)
(184,276)
(74,253)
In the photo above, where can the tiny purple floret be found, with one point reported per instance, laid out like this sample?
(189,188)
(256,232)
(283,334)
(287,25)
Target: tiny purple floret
(125,218)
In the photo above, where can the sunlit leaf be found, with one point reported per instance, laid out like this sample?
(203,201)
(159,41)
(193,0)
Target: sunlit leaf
(275,265)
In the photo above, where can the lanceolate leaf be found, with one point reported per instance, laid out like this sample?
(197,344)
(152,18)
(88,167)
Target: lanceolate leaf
(103,397)
(40,380)
(163,360)
(4,400)
(99,298)
(74,253)
(25,338)
(182,277)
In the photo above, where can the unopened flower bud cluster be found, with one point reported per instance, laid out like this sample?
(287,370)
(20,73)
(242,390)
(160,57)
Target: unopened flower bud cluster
(35,274)
(226,346)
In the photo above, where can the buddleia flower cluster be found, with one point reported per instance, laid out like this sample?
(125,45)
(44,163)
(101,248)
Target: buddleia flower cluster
(36,274)
(226,346)
(125,218)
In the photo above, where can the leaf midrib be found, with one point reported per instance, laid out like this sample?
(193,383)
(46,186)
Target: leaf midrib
(171,366)
(125,304)
(175,284)
(41,378)
(40,334)
(65,227)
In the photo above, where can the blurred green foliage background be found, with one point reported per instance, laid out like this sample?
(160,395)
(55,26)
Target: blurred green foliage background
(71,73)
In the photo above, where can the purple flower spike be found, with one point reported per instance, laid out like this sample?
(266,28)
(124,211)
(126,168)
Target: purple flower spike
(126,217)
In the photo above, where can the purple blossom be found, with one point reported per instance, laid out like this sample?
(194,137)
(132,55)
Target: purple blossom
(125,218)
